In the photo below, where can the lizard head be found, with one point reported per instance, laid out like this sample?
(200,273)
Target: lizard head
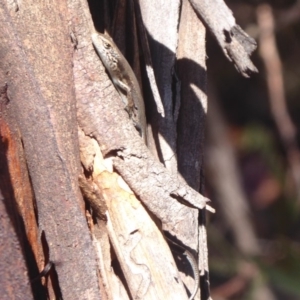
(106,50)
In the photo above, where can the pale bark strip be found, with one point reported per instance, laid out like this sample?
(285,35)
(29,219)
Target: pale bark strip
(113,286)
(91,157)
(191,71)
(36,57)
(144,255)
(191,66)
(163,43)
(147,58)
(274,73)
(235,43)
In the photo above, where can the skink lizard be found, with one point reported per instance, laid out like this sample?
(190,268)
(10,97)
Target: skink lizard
(123,79)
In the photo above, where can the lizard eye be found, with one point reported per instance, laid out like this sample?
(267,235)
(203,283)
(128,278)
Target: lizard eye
(106,45)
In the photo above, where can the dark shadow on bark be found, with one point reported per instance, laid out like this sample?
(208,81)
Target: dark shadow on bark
(52,273)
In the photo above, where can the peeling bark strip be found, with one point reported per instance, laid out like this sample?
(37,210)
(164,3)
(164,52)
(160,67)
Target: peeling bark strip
(149,272)
(154,184)
(147,58)
(236,44)
(156,15)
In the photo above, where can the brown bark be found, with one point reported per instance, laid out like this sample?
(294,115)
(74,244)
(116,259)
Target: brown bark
(35,56)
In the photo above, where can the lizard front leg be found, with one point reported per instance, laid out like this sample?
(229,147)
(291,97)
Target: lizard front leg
(124,92)
(130,107)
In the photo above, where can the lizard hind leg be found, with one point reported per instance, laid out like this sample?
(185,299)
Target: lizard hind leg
(136,124)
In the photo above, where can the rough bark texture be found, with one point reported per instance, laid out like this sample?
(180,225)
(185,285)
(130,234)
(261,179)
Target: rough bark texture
(35,55)
(236,44)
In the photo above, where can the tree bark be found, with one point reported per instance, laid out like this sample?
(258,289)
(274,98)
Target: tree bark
(59,108)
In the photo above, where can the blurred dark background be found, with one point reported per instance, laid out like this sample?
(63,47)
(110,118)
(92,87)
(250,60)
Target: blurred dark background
(252,158)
